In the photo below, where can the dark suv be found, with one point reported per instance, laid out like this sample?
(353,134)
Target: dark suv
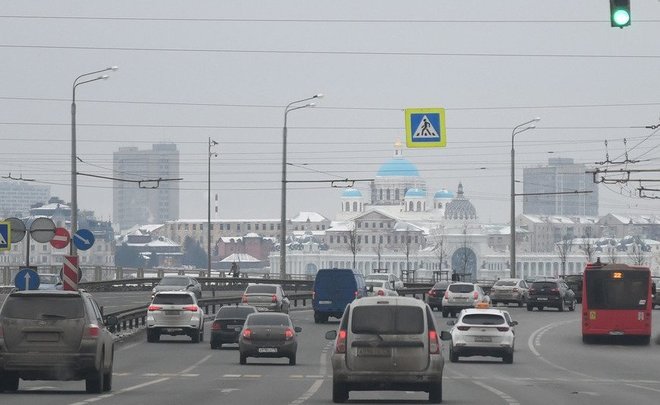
(551,293)
(55,335)
(435,294)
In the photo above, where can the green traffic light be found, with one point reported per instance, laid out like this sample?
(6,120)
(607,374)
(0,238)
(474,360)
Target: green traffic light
(621,17)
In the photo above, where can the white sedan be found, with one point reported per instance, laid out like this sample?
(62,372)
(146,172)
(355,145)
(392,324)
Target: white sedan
(482,332)
(395,282)
(380,287)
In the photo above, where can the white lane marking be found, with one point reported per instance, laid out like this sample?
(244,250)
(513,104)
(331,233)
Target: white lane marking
(509,400)
(191,368)
(124,390)
(643,387)
(231,376)
(307,395)
(535,341)
(324,358)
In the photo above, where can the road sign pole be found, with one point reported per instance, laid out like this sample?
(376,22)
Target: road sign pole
(70,274)
(27,250)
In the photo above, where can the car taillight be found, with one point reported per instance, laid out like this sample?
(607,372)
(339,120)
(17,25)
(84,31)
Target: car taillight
(463,328)
(434,343)
(288,334)
(447,294)
(244,299)
(341,341)
(531,290)
(503,328)
(92,331)
(475,295)
(356,293)
(191,308)
(2,333)
(431,293)
(380,292)
(216,325)
(515,290)
(247,334)
(155,308)
(273,298)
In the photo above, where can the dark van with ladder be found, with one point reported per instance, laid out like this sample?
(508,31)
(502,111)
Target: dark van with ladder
(333,290)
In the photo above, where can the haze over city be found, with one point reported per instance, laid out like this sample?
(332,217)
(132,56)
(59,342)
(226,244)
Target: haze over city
(225,71)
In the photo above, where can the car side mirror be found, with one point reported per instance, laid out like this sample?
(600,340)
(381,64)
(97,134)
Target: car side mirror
(190,285)
(111,321)
(514,323)
(331,335)
(298,329)
(451,323)
(444,335)
(370,288)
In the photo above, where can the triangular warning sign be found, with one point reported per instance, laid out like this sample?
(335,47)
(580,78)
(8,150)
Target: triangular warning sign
(3,241)
(425,130)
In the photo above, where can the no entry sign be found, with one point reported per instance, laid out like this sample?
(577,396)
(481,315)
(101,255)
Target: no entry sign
(60,239)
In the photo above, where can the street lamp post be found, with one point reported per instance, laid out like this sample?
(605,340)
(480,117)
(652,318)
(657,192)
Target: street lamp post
(289,107)
(512,248)
(208,224)
(74,170)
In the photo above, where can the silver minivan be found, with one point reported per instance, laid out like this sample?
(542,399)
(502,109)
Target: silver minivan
(387,344)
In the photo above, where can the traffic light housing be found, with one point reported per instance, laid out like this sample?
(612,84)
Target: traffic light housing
(620,13)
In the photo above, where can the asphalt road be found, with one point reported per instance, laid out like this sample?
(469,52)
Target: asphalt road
(551,366)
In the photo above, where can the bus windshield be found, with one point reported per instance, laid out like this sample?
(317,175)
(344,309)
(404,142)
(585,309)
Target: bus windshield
(623,290)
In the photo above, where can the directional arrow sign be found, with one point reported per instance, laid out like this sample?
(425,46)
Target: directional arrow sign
(83,239)
(26,279)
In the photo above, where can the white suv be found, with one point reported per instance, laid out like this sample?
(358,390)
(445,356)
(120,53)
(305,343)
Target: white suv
(395,282)
(175,313)
(387,343)
(459,296)
(482,332)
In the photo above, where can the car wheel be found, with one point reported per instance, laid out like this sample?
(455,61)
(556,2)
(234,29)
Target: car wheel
(540,307)
(292,360)
(339,393)
(435,393)
(195,336)
(107,378)
(150,336)
(201,335)
(507,358)
(453,314)
(493,303)
(8,382)
(453,356)
(445,313)
(243,359)
(530,308)
(587,339)
(562,306)
(572,306)
(521,302)
(94,383)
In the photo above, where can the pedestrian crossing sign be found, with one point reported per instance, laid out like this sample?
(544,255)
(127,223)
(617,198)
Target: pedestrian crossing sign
(425,128)
(5,236)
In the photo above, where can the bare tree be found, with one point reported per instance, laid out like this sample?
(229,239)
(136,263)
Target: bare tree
(378,249)
(611,251)
(440,251)
(564,248)
(353,242)
(587,246)
(637,253)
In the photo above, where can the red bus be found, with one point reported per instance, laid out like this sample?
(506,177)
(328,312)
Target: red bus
(616,301)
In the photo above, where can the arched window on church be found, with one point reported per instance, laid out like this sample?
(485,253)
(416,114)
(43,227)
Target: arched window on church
(348,206)
(411,206)
(396,194)
(387,194)
(380,193)
(355,206)
(419,206)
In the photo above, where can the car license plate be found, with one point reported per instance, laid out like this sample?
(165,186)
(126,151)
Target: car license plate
(267,350)
(171,312)
(373,352)
(325,302)
(43,337)
(483,339)
(542,299)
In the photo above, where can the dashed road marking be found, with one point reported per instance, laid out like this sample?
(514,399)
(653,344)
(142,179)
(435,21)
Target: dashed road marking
(509,400)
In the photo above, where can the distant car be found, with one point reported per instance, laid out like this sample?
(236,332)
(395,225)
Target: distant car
(380,287)
(461,295)
(551,293)
(266,297)
(395,282)
(482,332)
(654,287)
(178,283)
(175,313)
(268,334)
(436,293)
(574,282)
(508,290)
(49,282)
(333,290)
(55,335)
(228,324)
(387,343)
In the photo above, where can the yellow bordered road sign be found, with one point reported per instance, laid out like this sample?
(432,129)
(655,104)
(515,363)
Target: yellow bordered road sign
(425,128)
(5,235)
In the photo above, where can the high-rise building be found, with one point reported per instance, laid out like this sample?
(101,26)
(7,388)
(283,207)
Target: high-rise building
(16,197)
(560,175)
(149,201)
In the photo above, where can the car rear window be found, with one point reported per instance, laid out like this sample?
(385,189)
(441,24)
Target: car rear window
(506,283)
(441,285)
(261,289)
(375,283)
(388,320)
(461,288)
(544,284)
(173,299)
(43,307)
(174,281)
(483,319)
(234,312)
(267,320)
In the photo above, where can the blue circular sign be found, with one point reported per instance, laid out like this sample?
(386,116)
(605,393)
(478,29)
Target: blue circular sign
(27,279)
(83,239)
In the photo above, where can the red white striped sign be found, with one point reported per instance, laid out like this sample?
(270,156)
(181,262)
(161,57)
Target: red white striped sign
(70,273)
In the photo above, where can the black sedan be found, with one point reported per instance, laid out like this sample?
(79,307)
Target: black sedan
(228,323)
(268,335)
(435,294)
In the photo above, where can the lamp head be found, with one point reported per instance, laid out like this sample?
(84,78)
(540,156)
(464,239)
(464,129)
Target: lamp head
(113,68)
(310,104)
(320,95)
(104,77)
(213,142)
(537,119)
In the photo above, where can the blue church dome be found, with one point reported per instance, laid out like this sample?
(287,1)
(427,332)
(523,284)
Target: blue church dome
(398,167)
(351,192)
(415,192)
(443,194)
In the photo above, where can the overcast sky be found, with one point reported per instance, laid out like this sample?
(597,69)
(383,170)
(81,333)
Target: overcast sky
(226,69)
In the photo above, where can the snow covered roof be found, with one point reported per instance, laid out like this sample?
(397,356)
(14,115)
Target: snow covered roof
(240,258)
(305,216)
